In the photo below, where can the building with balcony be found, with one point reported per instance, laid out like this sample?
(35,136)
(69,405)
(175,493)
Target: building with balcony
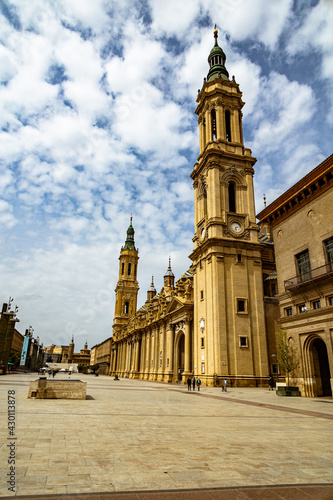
(302,229)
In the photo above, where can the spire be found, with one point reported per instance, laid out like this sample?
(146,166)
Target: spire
(152,290)
(152,287)
(169,270)
(129,243)
(216,61)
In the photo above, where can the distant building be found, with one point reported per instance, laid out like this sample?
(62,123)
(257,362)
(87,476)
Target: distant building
(69,356)
(301,223)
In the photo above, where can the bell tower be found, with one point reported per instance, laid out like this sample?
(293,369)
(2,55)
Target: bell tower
(229,322)
(127,286)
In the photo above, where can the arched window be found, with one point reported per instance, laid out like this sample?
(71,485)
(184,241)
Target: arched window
(227,126)
(129,269)
(126,309)
(122,268)
(232,197)
(213,118)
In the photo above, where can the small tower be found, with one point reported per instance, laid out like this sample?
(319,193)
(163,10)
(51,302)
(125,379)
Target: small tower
(71,350)
(169,277)
(127,286)
(151,291)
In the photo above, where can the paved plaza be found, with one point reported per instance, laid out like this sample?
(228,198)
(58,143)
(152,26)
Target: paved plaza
(132,435)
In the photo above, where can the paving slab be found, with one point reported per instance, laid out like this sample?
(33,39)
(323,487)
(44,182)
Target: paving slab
(133,437)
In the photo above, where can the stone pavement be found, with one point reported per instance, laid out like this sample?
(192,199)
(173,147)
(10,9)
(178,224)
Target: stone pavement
(133,436)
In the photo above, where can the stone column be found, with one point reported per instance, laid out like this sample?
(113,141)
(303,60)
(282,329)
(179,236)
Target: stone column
(187,360)
(137,346)
(169,352)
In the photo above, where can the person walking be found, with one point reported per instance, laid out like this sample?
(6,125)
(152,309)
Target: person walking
(198,383)
(193,382)
(271,383)
(225,385)
(189,383)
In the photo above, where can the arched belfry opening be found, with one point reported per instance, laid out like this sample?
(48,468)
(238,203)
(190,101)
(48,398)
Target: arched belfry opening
(232,197)
(213,119)
(227,125)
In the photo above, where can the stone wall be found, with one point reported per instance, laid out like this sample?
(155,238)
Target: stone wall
(57,389)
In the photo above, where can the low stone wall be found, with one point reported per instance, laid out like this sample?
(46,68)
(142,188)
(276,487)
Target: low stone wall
(44,388)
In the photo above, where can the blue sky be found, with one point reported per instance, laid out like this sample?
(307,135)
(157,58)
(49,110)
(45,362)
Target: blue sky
(97,123)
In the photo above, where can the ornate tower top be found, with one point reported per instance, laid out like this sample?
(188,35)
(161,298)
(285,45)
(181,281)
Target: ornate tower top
(129,243)
(169,277)
(216,61)
(152,290)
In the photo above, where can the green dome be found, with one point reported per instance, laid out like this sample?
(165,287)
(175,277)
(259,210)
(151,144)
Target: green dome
(129,243)
(216,60)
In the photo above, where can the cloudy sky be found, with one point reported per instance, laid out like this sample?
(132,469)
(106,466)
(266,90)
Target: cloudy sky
(97,103)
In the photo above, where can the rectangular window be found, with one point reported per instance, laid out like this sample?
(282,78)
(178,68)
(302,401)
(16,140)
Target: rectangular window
(239,257)
(202,342)
(303,266)
(288,311)
(129,268)
(330,301)
(243,342)
(316,304)
(122,268)
(202,367)
(241,305)
(302,308)
(329,253)
(201,295)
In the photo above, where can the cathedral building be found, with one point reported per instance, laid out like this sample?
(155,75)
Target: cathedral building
(219,319)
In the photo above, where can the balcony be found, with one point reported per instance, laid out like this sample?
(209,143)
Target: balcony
(314,275)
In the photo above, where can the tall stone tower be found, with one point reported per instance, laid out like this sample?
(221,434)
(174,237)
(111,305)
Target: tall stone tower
(229,324)
(127,286)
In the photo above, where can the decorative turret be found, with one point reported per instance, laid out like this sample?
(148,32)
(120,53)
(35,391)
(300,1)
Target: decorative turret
(152,290)
(169,277)
(216,61)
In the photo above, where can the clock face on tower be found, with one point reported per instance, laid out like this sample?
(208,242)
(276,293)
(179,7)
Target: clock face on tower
(236,227)
(203,232)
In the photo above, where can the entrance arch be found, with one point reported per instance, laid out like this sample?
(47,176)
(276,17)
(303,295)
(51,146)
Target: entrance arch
(317,373)
(321,367)
(179,355)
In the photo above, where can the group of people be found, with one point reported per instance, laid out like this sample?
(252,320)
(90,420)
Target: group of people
(192,382)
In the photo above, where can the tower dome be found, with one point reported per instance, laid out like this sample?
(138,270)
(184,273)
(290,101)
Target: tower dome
(216,61)
(129,243)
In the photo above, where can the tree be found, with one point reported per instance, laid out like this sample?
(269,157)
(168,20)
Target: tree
(287,354)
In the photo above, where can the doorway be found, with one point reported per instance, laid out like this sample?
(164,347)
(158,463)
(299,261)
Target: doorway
(321,368)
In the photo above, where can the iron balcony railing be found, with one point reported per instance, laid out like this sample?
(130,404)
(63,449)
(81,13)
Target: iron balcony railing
(312,275)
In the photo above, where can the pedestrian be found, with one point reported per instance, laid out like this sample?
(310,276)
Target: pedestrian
(189,383)
(53,373)
(198,383)
(70,373)
(271,383)
(193,382)
(224,386)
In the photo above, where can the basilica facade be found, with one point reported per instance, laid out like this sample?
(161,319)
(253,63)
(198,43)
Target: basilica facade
(219,319)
